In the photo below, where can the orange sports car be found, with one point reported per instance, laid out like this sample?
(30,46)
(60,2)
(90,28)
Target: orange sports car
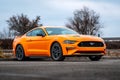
(57,43)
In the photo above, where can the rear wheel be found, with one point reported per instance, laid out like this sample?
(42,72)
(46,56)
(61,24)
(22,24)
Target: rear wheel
(20,55)
(95,58)
(56,52)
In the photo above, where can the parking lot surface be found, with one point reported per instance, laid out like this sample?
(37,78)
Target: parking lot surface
(83,69)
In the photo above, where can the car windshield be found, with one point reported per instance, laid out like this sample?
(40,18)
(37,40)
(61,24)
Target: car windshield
(60,31)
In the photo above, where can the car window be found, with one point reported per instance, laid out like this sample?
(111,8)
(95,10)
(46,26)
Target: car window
(35,32)
(29,33)
(59,31)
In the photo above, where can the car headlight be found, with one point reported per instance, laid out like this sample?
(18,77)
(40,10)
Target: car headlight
(69,41)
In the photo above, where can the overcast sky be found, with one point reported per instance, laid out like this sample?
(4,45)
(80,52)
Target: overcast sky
(57,12)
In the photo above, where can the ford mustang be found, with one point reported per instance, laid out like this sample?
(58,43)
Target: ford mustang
(57,43)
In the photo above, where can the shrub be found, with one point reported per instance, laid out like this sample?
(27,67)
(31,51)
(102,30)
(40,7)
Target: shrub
(113,45)
(6,43)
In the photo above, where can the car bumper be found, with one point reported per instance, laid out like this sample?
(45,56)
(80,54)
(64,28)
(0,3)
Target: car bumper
(83,51)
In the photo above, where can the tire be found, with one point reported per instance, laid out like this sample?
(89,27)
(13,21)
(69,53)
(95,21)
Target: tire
(56,52)
(20,55)
(95,58)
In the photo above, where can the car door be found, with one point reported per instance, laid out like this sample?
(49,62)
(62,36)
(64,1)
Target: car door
(36,40)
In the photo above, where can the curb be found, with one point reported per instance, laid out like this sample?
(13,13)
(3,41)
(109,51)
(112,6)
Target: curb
(111,57)
(67,58)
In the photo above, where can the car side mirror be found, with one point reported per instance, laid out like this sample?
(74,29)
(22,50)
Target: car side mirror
(40,35)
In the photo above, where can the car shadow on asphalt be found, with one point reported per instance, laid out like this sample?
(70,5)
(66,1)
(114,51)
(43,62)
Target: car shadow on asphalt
(46,59)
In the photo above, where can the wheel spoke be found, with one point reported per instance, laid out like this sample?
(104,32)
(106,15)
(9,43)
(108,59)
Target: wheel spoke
(56,52)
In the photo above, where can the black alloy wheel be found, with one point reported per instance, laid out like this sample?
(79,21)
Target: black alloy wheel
(56,52)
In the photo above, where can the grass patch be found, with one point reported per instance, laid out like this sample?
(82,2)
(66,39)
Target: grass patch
(1,53)
(113,53)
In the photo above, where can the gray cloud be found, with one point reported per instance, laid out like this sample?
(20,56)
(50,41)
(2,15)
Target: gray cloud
(56,12)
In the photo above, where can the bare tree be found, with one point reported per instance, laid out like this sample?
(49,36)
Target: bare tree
(20,24)
(6,34)
(1,35)
(85,21)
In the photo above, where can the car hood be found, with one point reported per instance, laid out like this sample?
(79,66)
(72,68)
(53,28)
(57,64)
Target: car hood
(82,37)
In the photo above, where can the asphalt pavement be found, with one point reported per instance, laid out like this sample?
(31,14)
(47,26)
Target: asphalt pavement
(39,69)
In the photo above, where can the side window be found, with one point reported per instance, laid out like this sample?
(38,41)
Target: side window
(29,33)
(35,32)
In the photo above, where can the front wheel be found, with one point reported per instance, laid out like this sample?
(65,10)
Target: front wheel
(56,52)
(95,58)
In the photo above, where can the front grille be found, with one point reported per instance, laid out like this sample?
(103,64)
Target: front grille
(90,44)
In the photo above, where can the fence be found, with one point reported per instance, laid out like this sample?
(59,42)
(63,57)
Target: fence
(7,52)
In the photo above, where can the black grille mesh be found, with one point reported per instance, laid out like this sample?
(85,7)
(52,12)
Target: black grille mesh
(90,44)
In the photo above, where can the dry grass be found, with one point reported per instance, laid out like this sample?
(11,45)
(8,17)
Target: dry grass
(113,53)
(5,54)
(1,54)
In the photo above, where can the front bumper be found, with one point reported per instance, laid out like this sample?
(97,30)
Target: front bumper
(74,50)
